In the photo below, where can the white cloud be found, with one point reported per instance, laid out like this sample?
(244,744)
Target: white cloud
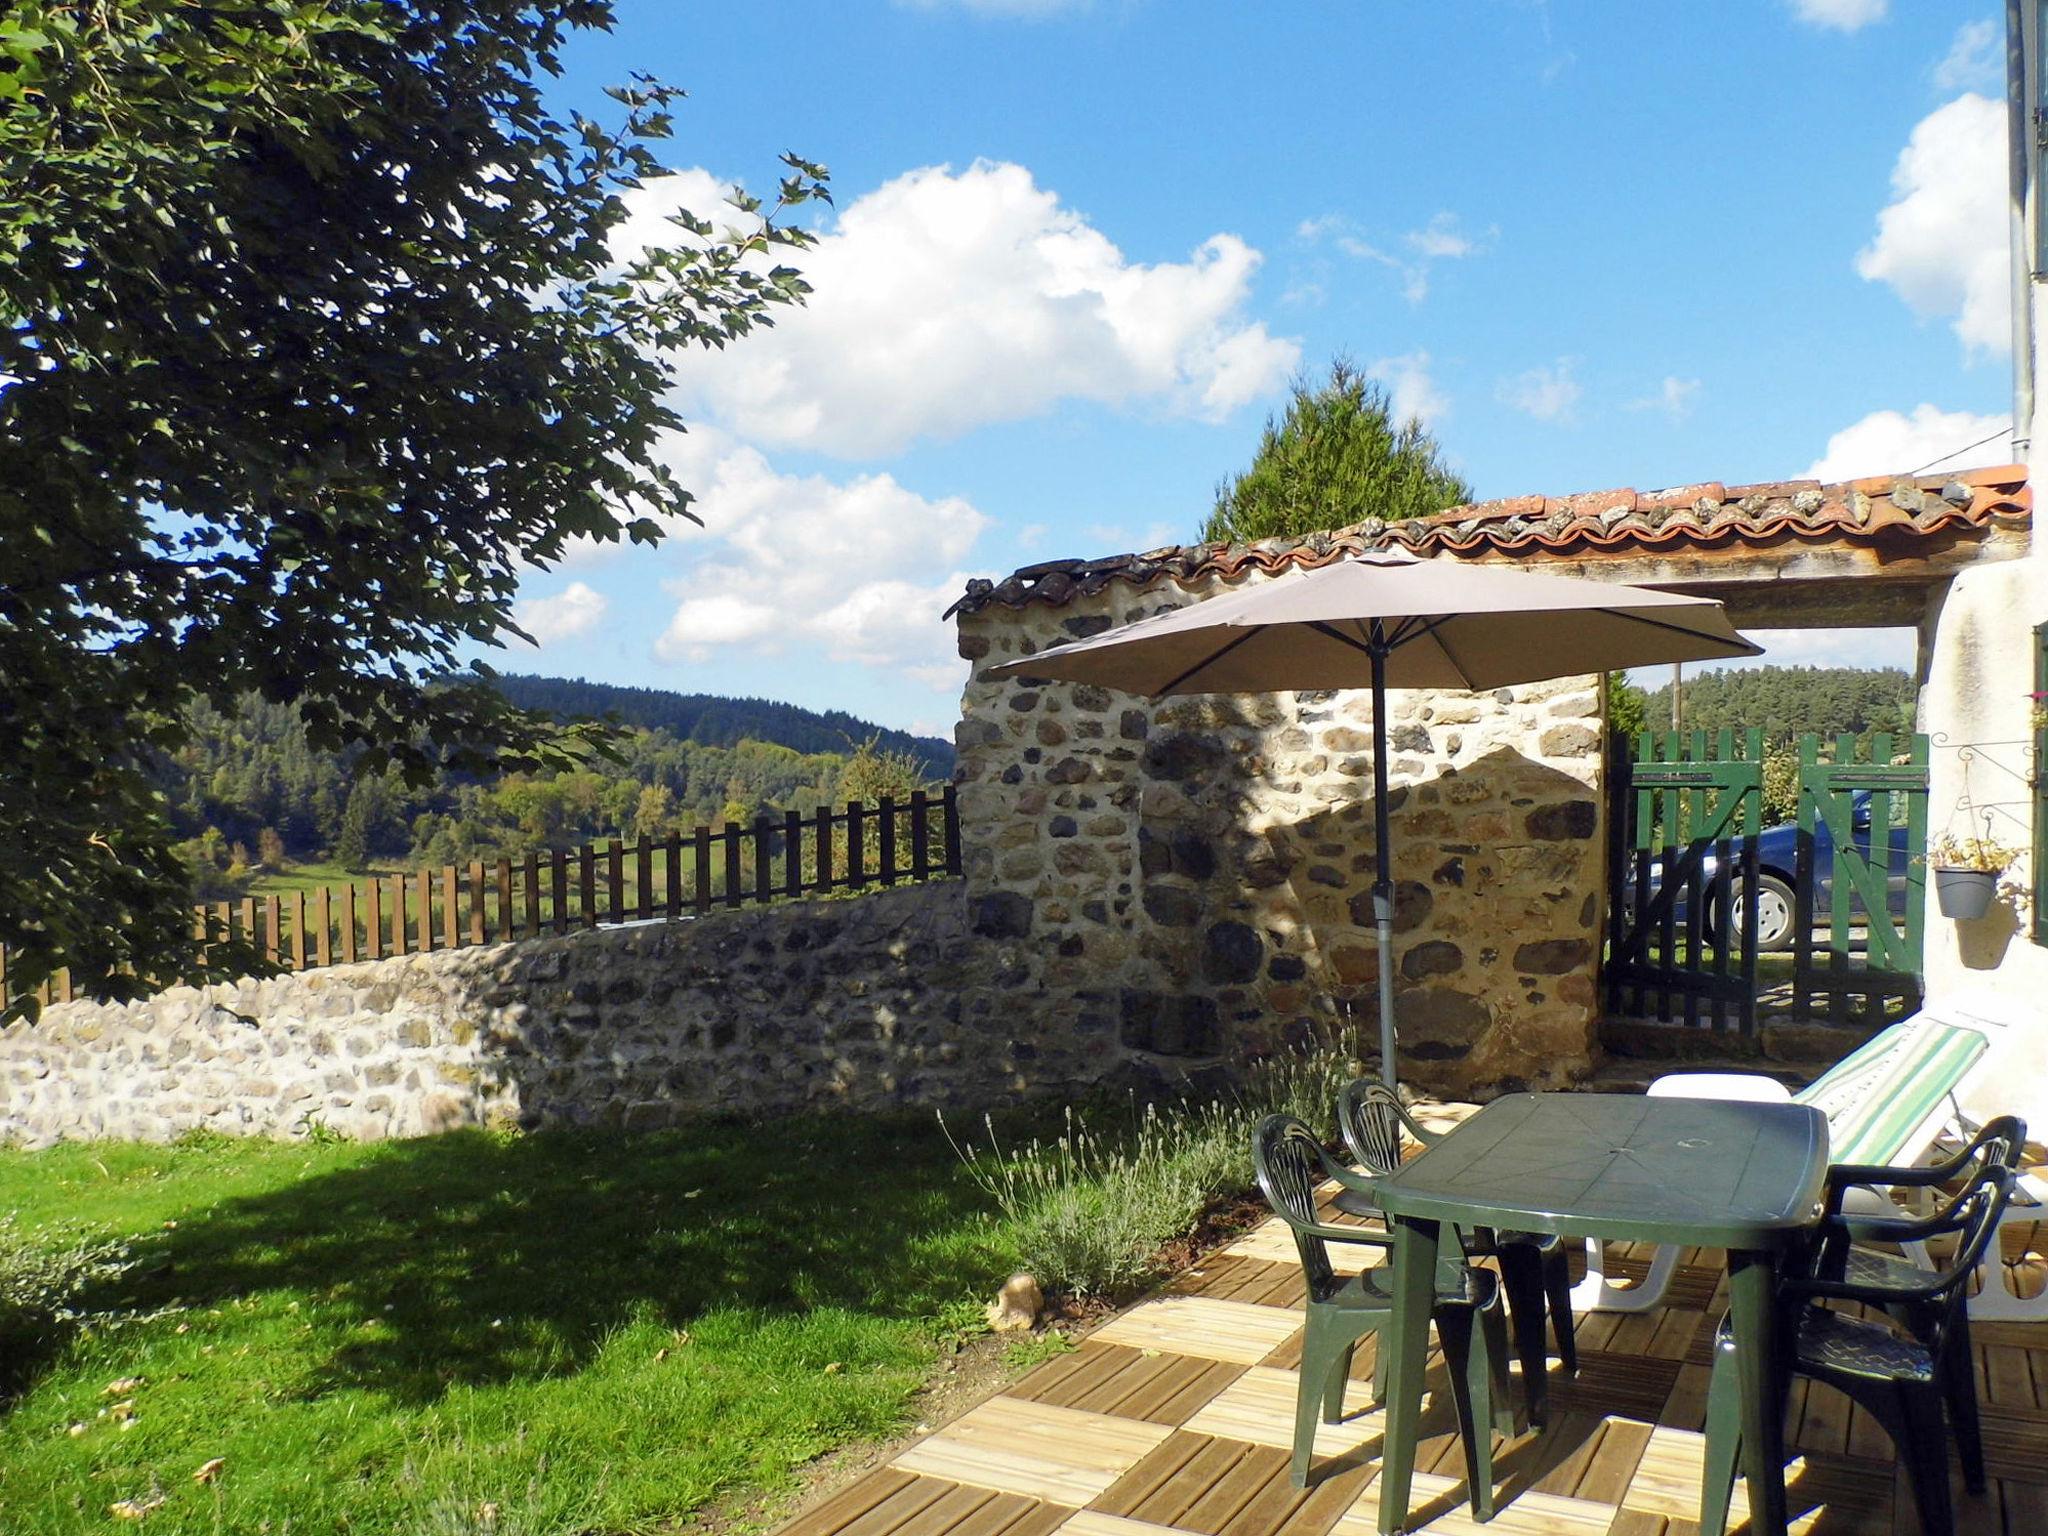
(1674,398)
(1975,60)
(1441,239)
(708,619)
(941,677)
(1414,275)
(1834,647)
(1548,393)
(1889,443)
(1410,389)
(943,301)
(1888,647)
(1941,242)
(1841,15)
(650,212)
(856,570)
(574,610)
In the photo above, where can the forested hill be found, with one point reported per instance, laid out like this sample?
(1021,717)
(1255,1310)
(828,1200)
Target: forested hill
(1785,701)
(711,721)
(250,797)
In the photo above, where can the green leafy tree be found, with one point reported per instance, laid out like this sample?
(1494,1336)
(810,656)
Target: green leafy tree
(1628,707)
(654,811)
(873,771)
(1335,457)
(1780,783)
(312,341)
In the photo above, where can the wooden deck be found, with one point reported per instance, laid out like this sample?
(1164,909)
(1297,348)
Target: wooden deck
(1176,1416)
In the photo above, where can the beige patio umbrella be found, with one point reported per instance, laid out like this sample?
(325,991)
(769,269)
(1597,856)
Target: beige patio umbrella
(1393,620)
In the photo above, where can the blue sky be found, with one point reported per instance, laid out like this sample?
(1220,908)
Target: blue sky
(1079,249)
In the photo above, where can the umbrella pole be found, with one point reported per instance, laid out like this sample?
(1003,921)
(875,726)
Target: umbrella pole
(1383,887)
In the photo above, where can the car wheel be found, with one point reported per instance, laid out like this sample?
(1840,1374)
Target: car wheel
(1773,913)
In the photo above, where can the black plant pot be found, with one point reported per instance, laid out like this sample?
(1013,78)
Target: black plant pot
(1965,893)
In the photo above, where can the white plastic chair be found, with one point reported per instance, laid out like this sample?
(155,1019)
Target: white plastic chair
(1889,1101)
(2012,1079)
(1597,1292)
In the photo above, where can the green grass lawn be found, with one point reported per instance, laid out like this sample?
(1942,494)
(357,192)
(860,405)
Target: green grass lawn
(313,877)
(529,1336)
(310,879)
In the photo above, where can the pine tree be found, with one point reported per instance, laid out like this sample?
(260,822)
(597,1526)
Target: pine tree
(1334,458)
(352,842)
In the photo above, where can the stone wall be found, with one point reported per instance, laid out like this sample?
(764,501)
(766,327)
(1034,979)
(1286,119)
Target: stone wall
(1150,888)
(1195,873)
(881,1001)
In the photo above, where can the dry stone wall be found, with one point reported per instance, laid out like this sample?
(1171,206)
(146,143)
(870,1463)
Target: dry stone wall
(1194,875)
(886,1000)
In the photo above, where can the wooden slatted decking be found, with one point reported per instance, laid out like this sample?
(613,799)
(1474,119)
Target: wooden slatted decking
(1174,1419)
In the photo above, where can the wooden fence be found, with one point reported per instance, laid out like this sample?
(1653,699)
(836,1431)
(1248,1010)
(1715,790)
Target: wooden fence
(1685,811)
(562,889)
(1859,926)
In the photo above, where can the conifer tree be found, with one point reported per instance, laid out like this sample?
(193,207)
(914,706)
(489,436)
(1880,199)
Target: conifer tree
(1335,457)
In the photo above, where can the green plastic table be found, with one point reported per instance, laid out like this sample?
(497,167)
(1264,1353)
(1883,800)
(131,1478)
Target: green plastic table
(1744,1177)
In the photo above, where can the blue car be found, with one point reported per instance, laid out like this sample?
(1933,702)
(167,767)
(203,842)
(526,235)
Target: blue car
(1777,856)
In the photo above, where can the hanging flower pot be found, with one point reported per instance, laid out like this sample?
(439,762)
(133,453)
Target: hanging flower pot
(1966,874)
(1964,894)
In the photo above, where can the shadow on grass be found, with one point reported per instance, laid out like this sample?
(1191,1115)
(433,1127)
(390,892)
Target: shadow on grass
(473,1258)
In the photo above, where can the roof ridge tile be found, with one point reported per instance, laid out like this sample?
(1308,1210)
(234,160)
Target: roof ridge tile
(1707,515)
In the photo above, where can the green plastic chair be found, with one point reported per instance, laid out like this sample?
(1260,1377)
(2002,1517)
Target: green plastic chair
(1533,1267)
(1291,1165)
(2000,1143)
(1901,1380)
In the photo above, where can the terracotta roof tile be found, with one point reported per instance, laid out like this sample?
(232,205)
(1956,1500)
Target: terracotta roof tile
(1700,517)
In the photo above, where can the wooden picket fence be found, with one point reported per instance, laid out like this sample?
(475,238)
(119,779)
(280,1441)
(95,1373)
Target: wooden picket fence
(601,883)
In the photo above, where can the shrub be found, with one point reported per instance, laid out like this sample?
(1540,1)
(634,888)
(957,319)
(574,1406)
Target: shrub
(1780,783)
(1090,1210)
(45,1285)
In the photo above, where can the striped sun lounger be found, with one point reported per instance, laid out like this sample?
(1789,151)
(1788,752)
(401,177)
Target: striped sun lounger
(1888,1101)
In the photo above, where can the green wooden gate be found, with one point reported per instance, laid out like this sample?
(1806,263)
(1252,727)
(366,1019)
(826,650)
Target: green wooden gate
(1874,816)
(1685,811)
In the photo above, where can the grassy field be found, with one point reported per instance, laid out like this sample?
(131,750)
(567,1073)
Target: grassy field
(523,1336)
(312,877)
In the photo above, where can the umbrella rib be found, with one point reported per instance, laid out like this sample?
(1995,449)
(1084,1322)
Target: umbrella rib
(1414,622)
(1445,646)
(1208,661)
(1414,628)
(1323,627)
(1676,629)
